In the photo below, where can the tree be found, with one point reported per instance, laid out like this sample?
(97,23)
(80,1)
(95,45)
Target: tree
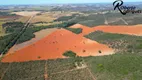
(100,51)
(70,54)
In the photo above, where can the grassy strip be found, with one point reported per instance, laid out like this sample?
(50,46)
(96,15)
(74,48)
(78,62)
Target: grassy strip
(75,30)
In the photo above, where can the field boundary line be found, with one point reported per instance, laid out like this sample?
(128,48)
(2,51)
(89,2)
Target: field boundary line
(91,74)
(5,71)
(45,72)
(65,64)
(124,21)
(106,22)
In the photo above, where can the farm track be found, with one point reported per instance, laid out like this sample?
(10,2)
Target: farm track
(106,22)
(66,71)
(45,74)
(89,71)
(124,21)
(16,37)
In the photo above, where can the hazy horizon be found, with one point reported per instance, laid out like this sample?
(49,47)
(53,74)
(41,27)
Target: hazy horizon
(38,2)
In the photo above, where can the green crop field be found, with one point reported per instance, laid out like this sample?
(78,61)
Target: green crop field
(22,71)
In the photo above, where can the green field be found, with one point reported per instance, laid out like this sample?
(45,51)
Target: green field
(124,66)
(131,19)
(22,71)
(90,20)
(124,43)
(113,67)
(59,69)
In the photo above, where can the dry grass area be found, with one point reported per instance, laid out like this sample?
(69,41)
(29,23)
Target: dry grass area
(38,35)
(26,13)
(138,25)
(42,18)
(57,14)
(23,19)
(47,24)
(51,16)
(8,18)
(2,32)
(2,19)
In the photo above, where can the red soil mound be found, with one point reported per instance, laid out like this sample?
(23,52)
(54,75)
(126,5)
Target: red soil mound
(132,30)
(54,45)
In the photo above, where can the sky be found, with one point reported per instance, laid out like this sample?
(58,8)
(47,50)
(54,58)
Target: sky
(18,2)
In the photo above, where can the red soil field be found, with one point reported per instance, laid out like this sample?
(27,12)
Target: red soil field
(123,29)
(55,44)
(131,30)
